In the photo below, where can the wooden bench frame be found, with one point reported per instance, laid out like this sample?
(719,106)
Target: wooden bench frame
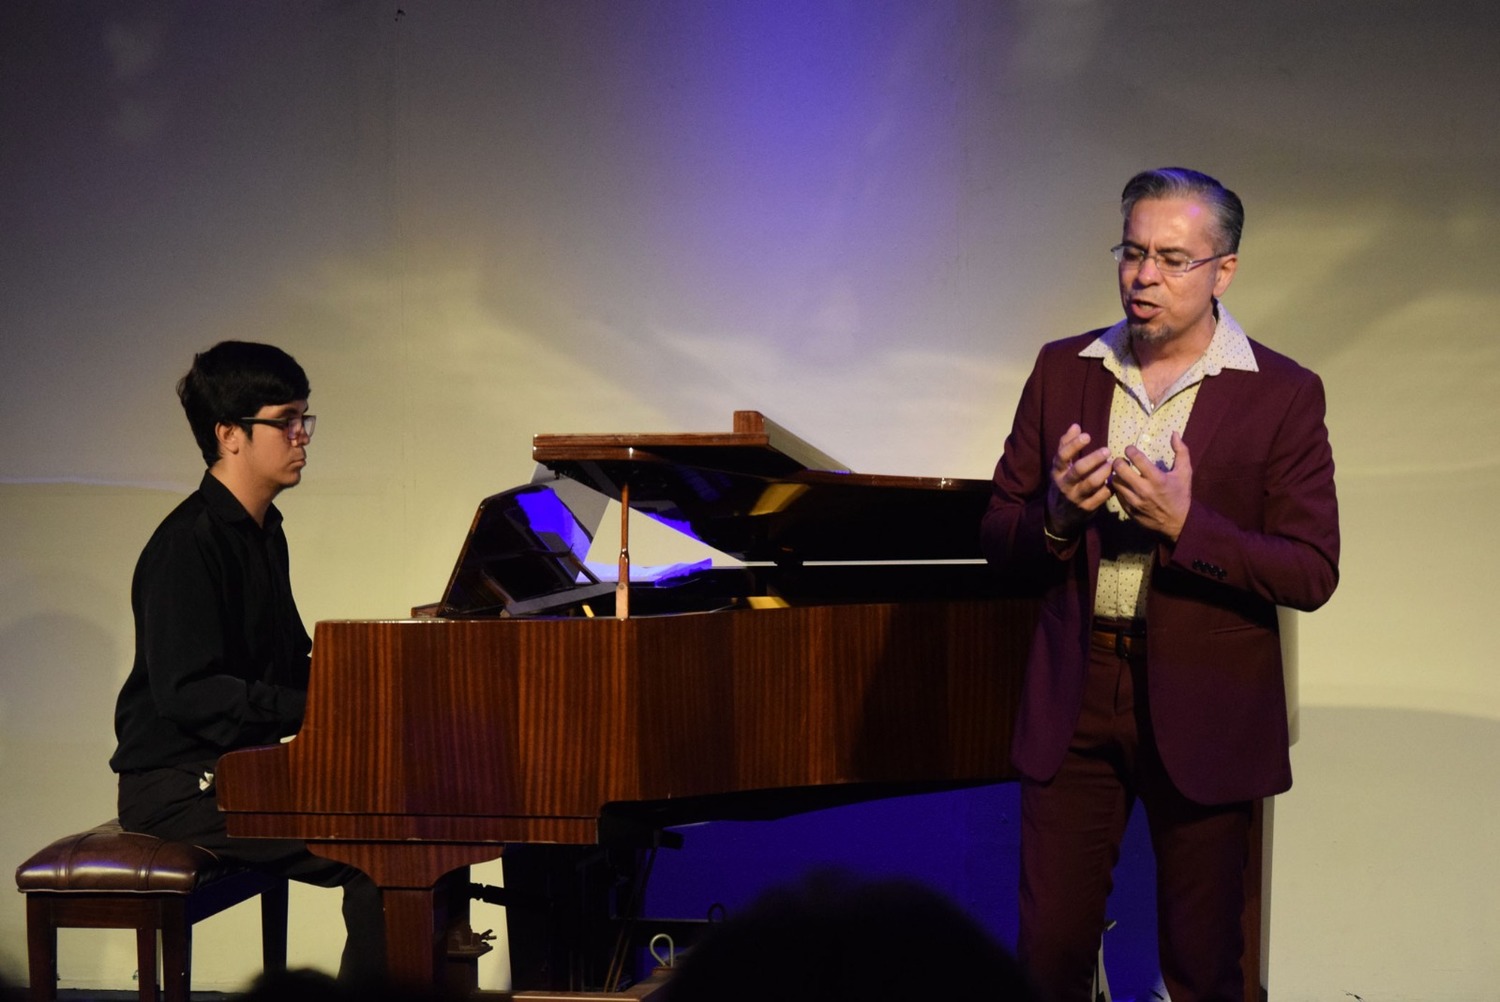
(165,905)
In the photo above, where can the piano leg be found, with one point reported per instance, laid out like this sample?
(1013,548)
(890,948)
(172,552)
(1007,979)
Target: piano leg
(413,934)
(415,897)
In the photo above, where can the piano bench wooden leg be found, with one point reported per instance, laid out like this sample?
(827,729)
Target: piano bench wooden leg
(107,878)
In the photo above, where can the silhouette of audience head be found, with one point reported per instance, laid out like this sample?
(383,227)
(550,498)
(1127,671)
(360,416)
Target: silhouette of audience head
(833,938)
(307,985)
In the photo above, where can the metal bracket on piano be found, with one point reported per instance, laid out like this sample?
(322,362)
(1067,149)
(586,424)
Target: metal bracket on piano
(622,586)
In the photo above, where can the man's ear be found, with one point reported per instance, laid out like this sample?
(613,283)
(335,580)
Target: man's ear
(1225,273)
(230,438)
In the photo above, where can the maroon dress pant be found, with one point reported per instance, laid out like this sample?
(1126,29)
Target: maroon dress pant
(1071,827)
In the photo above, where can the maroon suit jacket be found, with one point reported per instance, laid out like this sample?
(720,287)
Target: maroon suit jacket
(1262,532)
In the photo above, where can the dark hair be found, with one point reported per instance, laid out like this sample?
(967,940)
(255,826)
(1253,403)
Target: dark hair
(1169,182)
(234,380)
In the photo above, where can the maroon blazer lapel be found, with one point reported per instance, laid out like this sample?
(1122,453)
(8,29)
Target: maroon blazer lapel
(1214,403)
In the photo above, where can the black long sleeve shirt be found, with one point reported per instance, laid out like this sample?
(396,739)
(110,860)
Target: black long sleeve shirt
(221,656)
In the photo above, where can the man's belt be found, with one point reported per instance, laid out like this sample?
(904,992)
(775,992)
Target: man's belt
(1126,637)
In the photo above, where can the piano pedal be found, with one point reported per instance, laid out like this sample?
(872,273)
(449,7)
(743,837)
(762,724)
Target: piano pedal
(463,948)
(466,944)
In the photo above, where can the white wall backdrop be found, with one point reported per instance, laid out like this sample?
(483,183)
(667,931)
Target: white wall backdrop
(475,222)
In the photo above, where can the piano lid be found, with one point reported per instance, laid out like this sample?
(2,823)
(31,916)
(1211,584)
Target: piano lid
(760,494)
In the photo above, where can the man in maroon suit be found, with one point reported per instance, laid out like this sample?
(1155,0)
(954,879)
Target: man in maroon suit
(1167,483)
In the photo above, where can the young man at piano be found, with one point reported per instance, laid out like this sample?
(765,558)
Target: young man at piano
(1168,483)
(221,656)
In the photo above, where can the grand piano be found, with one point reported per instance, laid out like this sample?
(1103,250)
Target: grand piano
(856,648)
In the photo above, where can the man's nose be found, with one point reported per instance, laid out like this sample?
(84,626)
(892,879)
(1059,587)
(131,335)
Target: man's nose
(1148,273)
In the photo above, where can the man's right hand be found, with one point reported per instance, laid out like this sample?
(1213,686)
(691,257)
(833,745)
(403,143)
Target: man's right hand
(1080,483)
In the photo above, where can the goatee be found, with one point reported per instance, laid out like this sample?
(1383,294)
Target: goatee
(1144,334)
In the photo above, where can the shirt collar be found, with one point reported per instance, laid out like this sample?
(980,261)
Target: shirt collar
(1229,349)
(224,505)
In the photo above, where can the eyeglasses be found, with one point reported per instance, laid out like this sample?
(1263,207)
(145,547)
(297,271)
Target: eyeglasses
(291,427)
(1167,262)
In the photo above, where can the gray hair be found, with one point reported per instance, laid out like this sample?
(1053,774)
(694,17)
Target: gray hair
(1180,182)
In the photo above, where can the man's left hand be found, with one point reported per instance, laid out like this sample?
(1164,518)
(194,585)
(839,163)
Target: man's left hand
(1158,499)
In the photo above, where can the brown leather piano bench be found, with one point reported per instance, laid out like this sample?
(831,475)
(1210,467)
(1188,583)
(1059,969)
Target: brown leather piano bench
(108,878)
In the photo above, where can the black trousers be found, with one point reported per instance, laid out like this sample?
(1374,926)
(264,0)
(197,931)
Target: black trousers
(180,804)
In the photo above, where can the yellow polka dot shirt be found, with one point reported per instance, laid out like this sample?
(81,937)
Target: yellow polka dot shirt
(1128,549)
